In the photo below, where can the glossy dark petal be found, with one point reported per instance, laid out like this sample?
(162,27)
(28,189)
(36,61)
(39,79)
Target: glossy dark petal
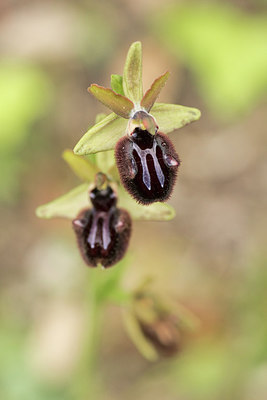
(103,200)
(147,165)
(103,231)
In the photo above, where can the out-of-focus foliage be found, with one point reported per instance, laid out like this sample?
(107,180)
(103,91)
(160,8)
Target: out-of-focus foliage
(94,38)
(225,49)
(64,32)
(250,313)
(231,364)
(207,370)
(16,376)
(25,95)
(218,368)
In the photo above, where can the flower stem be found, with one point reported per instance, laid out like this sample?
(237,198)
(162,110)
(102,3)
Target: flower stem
(86,380)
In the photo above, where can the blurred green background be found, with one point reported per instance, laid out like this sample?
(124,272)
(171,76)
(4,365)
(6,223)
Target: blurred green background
(211,258)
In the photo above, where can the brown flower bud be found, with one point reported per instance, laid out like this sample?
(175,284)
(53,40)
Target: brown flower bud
(163,334)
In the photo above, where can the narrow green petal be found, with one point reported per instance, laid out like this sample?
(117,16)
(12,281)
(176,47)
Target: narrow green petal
(84,169)
(102,136)
(135,333)
(114,174)
(66,206)
(116,84)
(153,212)
(171,116)
(105,160)
(115,102)
(151,95)
(132,74)
(99,117)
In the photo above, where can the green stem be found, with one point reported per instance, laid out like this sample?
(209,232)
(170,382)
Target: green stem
(102,289)
(94,331)
(86,382)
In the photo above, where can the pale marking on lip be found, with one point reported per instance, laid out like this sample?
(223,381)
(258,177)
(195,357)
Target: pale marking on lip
(170,161)
(143,158)
(105,216)
(79,223)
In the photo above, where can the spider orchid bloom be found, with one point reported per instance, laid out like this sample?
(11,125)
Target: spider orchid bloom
(102,231)
(146,158)
(102,228)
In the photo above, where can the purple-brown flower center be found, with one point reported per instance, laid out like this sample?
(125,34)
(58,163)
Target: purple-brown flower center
(102,231)
(148,165)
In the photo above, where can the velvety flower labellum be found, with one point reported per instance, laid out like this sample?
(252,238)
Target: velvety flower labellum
(103,231)
(147,164)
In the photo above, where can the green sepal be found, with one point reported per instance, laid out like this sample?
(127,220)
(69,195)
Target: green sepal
(99,117)
(105,161)
(114,173)
(66,206)
(134,331)
(151,95)
(102,136)
(132,73)
(84,169)
(70,204)
(153,212)
(116,83)
(171,116)
(115,102)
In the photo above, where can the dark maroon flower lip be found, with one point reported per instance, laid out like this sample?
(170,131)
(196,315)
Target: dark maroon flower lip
(147,165)
(103,231)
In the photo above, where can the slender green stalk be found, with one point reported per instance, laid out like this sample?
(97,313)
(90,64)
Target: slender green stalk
(101,289)
(86,378)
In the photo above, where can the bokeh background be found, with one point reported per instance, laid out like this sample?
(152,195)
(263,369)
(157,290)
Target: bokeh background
(211,258)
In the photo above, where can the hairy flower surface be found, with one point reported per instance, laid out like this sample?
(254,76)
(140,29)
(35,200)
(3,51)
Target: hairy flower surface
(102,231)
(148,165)
(146,159)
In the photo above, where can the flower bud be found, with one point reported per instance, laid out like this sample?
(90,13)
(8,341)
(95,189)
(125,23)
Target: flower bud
(153,325)
(163,334)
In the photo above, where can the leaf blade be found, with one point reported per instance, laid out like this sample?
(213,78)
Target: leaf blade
(102,136)
(153,212)
(105,161)
(66,206)
(82,168)
(116,82)
(114,101)
(151,95)
(135,333)
(132,73)
(172,116)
